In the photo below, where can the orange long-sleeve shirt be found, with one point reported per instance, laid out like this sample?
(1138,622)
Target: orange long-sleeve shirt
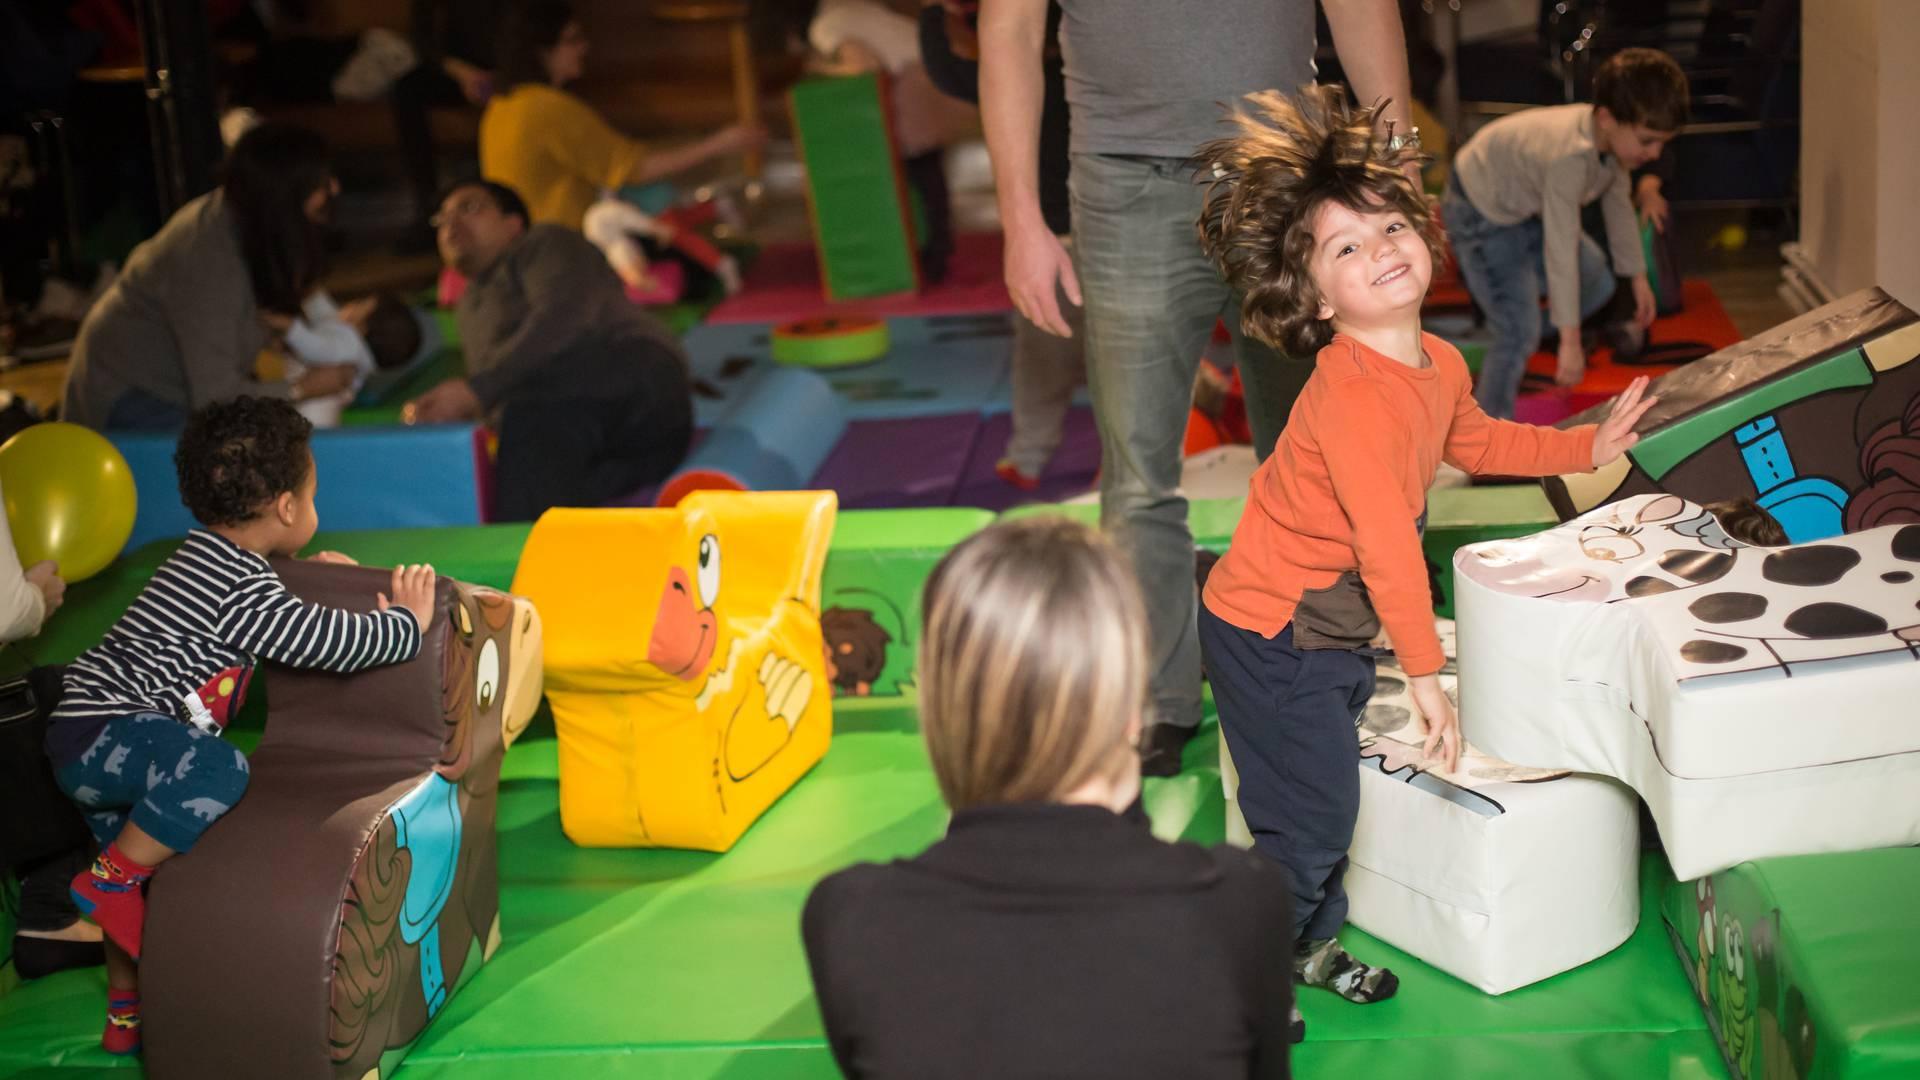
(1347,483)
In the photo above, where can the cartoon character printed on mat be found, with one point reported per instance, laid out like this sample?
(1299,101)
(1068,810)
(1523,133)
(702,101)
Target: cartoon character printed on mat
(1818,463)
(1545,566)
(1731,997)
(686,637)
(1705,942)
(1386,746)
(856,649)
(1785,1032)
(426,880)
(1745,608)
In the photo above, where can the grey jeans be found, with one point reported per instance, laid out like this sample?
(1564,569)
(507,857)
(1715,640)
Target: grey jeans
(1152,298)
(1046,372)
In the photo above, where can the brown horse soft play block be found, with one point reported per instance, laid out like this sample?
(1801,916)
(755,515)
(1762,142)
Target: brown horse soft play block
(319,927)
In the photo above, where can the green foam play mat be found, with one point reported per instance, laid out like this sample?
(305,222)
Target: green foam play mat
(649,963)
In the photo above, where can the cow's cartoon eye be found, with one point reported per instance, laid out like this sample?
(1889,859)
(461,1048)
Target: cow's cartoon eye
(708,578)
(486,676)
(1610,545)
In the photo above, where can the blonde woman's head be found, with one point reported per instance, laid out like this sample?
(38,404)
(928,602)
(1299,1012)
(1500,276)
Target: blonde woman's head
(1032,664)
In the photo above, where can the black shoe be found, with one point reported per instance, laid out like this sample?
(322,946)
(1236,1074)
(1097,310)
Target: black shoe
(1297,1027)
(1160,747)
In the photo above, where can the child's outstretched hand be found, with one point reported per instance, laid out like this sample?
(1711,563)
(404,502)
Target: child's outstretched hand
(1616,436)
(413,590)
(1443,724)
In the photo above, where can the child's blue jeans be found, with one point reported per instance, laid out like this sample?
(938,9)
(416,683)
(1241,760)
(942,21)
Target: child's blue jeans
(1288,717)
(171,779)
(1505,269)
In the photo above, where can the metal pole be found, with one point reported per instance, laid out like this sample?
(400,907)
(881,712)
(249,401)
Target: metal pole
(183,125)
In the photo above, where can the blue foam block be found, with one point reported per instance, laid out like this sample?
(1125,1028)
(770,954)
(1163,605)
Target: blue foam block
(370,478)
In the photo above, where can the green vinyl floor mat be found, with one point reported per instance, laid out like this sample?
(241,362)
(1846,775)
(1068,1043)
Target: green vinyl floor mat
(667,964)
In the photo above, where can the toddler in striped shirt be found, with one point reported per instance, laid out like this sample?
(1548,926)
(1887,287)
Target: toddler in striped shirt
(135,740)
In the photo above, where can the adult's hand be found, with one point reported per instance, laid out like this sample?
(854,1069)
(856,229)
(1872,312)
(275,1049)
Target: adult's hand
(449,403)
(45,576)
(1037,269)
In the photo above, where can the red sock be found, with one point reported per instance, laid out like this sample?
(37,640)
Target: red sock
(122,1035)
(111,894)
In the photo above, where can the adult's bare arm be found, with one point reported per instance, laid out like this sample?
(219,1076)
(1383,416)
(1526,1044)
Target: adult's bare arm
(1012,39)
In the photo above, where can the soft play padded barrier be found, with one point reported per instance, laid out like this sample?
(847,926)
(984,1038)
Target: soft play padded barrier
(1805,966)
(861,216)
(1460,516)
(1459,868)
(875,573)
(773,438)
(318,927)
(370,478)
(1812,419)
(1759,699)
(685,662)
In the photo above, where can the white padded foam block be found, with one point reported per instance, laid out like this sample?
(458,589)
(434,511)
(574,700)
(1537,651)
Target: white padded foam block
(1460,868)
(1761,700)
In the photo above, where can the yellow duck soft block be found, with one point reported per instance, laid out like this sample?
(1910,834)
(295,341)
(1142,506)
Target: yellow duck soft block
(684,661)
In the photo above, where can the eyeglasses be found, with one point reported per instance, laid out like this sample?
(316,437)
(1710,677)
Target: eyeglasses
(464,206)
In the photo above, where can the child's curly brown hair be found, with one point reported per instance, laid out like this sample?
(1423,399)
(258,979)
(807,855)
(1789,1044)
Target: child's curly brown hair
(1293,153)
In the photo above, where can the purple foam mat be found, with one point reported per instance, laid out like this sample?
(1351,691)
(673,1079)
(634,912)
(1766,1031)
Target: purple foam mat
(1071,472)
(910,461)
(940,461)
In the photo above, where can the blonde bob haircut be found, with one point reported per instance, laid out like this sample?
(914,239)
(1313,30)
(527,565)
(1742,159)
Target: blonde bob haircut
(1032,662)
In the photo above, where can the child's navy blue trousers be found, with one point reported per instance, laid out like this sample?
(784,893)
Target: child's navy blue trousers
(1288,717)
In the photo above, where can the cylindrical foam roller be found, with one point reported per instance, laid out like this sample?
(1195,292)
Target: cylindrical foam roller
(773,438)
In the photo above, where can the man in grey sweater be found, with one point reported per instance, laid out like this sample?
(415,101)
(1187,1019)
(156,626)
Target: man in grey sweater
(1146,84)
(590,394)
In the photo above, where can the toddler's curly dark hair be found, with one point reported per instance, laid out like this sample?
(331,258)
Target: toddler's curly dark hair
(1293,153)
(235,457)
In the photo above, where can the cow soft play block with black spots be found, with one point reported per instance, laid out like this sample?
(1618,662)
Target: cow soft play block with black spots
(1760,699)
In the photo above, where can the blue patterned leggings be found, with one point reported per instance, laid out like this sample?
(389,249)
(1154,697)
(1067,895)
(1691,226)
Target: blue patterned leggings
(171,779)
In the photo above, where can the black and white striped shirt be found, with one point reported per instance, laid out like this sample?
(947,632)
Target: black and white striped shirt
(213,607)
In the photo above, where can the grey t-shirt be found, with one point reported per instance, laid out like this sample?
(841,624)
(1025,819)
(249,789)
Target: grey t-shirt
(1151,77)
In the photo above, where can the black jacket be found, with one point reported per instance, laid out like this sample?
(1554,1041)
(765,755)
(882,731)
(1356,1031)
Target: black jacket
(1057,941)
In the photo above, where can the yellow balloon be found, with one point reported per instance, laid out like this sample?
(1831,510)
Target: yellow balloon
(69,498)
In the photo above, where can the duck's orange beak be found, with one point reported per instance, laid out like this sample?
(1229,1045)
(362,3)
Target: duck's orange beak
(683,633)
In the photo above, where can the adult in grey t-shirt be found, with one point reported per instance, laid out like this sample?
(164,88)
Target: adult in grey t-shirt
(1148,82)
